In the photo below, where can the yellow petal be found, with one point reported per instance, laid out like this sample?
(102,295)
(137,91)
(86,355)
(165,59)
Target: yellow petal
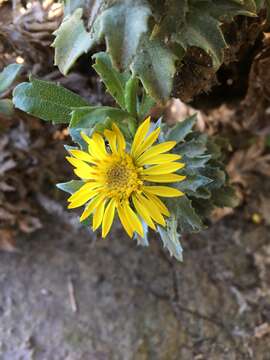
(140,135)
(85,188)
(82,198)
(82,155)
(108,218)
(152,209)
(96,150)
(98,139)
(143,212)
(166,178)
(149,141)
(78,163)
(120,138)
(156,150)
(159,159)
(111,137)
(163,168)
(164,191)
(84,174)
(98,215)
(163,209)
(91,207)
(82,170)
(124,221)
(133,219)
(86,138)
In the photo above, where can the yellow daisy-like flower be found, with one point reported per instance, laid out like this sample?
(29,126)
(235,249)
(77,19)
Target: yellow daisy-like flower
(122,181)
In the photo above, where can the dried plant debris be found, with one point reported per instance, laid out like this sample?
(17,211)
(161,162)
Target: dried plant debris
(27,166)
(246,163)
(255,110)
(27,33)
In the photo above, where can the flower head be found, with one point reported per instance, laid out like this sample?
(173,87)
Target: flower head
(126,181)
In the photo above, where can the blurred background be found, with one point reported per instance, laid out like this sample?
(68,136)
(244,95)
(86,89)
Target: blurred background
(66,293)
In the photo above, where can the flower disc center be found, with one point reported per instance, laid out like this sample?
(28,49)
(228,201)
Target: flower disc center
(122,177)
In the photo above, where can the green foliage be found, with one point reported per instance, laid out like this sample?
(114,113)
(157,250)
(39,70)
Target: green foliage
(6,107)
(206,185)
(155,66)
(113,80)
(52,102)
(182,129)
(70,186)
(170,238)
(149,37)
(71,41)
(46,100)
(7,77)
(122,26)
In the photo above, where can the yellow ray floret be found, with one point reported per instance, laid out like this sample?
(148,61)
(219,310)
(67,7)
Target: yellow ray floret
(127,183)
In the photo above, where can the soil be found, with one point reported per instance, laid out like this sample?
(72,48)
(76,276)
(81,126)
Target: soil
(66,295)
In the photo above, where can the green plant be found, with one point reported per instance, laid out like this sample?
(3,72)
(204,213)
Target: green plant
(149,37)
(146,42)
(206,184)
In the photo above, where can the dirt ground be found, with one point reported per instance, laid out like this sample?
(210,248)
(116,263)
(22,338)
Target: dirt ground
(66,295)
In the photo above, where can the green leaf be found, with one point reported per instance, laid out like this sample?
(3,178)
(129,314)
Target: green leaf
(123,25)
(72,40)
(70,186)
(46,100)
(92,118)
(174,16)
(114,81)
(155,66)
(188,219)
(259,4)
(196,162)
(71,5)
(131,99)
(87,117)
(147,103)
(227,9)
(170,238)
(216,174)
(142,241)
(203,31)
(6,107)
(193,183)
(8,75)
(225,197)
(192,148)
(182,129)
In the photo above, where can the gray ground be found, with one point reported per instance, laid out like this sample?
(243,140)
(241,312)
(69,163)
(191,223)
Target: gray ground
(65,296)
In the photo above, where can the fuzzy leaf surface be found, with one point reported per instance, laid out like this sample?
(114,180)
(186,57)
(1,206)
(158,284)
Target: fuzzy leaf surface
(114,81)
(70,186)
(155,66)
(170,238)
(46,100)
(122,25)
(8,75)
(72,40)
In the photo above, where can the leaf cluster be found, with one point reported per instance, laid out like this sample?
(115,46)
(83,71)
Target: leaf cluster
(149,37)
(206,186)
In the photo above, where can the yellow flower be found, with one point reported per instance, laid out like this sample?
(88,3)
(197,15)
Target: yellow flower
(124,181)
